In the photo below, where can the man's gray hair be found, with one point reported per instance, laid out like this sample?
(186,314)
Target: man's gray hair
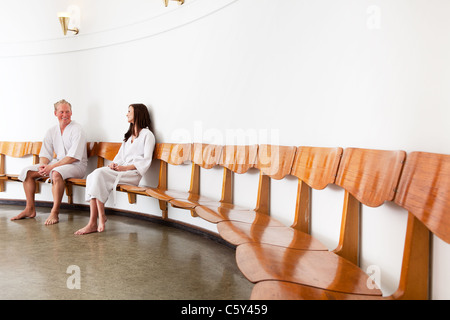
(62,102)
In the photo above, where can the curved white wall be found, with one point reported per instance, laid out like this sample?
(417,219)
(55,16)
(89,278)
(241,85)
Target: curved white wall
(350,73)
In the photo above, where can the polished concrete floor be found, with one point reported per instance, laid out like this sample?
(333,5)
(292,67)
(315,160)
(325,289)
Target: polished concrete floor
(132,259)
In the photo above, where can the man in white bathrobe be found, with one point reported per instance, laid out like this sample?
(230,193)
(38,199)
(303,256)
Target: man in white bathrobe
(68,141)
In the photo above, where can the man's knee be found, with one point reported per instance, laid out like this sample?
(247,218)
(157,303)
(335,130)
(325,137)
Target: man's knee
(56,177)
(32,175)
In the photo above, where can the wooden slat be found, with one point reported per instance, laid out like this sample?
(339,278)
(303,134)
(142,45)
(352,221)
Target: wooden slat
(275,161)
(173,153)
(206,155)
(239,159)
(108,150)
(16,149)
(371,176)
(316,166)
(424,190)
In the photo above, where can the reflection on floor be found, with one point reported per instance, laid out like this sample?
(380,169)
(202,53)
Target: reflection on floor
(132,259)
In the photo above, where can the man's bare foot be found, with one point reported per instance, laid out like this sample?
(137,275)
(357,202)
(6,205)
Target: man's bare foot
(101,223)
(27,213)
(88,229)
(52,219)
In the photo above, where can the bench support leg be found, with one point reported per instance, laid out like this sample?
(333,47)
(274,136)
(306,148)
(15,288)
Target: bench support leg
(163,206)
(348,246)
(415,265)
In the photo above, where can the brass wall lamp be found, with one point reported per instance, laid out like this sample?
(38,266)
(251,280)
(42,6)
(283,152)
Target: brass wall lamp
(64,19)
(68,18)
(179,1)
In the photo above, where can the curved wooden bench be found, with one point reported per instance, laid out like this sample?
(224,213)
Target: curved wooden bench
(286,262)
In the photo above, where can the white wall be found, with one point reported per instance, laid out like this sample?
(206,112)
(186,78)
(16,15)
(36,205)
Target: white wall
(370,74)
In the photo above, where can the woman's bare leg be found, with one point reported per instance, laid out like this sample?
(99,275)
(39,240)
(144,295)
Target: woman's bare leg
(92,224)
(101,216)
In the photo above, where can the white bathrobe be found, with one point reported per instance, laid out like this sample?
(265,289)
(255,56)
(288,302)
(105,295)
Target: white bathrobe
(72,143)
(102,181)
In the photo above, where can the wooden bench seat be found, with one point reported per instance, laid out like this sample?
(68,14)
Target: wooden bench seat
(314,168)
(370,177)
(237,233)
(319,269)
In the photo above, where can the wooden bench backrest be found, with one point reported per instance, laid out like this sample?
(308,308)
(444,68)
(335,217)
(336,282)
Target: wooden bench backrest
(371,176)
(105,151)
(424,190)
(92,149)
(239,159)
(173,153)
(16,149)
(316,166)
(206,155)
(275,161)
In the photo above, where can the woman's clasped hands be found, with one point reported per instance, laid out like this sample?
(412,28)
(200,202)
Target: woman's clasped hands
(116,167)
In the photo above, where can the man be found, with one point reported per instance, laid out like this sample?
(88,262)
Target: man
(68,141)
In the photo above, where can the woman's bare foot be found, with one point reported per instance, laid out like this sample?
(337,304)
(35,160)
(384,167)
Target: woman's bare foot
(101,223)
(27,213)
(88,229)
(52,218)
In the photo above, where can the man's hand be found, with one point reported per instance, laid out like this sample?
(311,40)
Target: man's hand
(44,170)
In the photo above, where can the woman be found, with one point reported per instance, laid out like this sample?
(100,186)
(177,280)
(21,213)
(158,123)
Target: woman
(128,167)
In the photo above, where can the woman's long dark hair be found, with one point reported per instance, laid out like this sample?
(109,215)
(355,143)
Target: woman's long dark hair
(141,120)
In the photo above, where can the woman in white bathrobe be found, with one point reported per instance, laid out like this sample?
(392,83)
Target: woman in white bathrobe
(130,164)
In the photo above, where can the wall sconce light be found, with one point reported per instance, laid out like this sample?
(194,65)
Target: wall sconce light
(179,1)
(70,18)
